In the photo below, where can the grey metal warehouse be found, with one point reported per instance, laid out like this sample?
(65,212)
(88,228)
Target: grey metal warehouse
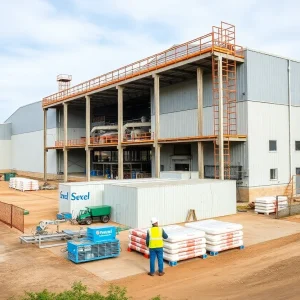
(207,105)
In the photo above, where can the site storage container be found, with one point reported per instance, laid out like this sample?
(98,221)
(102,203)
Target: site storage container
(75,196)
(134,204)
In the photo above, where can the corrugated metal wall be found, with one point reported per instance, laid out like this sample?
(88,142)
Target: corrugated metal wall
(5,131)
(267,78)
(28,152)
(35,114)
(295,83)
(135,205)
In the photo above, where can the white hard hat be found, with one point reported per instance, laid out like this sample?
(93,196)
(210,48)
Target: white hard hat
(154,220)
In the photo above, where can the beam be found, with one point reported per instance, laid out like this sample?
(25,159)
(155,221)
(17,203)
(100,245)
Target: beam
(87,137)
(221,127)
(65,142)
(157,125)
(45,144)
(120,132)
(200,122)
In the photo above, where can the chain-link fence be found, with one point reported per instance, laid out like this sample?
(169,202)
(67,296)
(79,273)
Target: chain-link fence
(236,172)
(12,216)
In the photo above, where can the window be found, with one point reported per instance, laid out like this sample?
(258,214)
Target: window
(297,171)
(272,145)
(297,145)
(273,174)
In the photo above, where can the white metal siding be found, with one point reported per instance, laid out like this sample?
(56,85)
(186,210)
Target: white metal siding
(295,117)
(28,152)
(268,122)
(267,78)
(171,202)
(5,154)
(5,131)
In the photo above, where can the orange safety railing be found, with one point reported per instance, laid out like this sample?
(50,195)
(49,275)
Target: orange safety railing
(218,40)
(59,143)
(110,139)
(140,137)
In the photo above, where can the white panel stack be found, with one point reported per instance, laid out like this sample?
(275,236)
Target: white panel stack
(267,205)
(23,184)
(220,235)
(182,243)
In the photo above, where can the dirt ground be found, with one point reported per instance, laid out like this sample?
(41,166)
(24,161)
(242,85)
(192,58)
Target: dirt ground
(268,268)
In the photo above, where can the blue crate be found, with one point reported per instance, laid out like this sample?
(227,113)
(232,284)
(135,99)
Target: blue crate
(84,250)
(103,233)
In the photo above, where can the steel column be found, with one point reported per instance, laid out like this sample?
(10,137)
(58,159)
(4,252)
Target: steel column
(120,132)
(200,122)
(157,125)
(221,120)
(65,142)
(45,144)
(87,137)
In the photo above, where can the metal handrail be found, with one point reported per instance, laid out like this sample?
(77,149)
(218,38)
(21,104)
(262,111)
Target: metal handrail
(208,43)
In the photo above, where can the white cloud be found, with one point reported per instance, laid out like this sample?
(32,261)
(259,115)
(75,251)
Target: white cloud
(39,40)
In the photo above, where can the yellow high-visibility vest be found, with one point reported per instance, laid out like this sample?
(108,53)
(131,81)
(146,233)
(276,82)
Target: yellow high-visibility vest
(155,238)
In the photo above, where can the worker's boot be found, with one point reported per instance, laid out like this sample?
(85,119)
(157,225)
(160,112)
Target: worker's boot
(161,273)
(151,274)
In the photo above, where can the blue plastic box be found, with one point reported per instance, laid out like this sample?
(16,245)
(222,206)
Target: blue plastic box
(64,216)
(103,233)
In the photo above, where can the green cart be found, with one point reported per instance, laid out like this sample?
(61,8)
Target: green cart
(94,214)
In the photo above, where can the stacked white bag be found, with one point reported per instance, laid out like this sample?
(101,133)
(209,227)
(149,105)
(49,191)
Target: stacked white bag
(219,235)
(182,243)
(23,184)
(267,205)
(137,241)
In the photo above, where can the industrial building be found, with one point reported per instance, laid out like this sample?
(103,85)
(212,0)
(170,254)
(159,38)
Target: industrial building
(207,105)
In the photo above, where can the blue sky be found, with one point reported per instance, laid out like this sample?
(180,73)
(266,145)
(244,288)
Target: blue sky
(40,39)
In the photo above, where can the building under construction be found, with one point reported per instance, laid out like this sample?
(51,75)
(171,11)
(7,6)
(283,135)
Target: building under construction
(207,105)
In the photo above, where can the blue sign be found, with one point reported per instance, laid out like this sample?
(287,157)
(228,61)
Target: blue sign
(74,196)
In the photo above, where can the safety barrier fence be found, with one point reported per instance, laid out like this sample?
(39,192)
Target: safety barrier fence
(12,216)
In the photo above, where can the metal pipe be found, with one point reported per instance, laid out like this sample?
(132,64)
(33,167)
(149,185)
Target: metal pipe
(289,114)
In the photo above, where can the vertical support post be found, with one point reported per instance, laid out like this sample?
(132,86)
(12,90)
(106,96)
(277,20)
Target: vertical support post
(87,137)
(120,132)
(157,125)
(221,126)
(290,120)
(45,144)
(200,122)
(65,142)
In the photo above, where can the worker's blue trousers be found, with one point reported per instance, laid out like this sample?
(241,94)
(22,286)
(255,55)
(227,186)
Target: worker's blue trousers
(157,252)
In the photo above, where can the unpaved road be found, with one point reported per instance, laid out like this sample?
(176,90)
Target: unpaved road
(269,270)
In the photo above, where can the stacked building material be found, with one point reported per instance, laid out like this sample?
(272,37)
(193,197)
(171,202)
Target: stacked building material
(137,241)
(267,205)
(182,243)
(24,184)
(220,235)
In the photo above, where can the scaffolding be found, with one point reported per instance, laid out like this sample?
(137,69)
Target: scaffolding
(64,82)
(224,85)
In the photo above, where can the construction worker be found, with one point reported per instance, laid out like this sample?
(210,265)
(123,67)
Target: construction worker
(155,243)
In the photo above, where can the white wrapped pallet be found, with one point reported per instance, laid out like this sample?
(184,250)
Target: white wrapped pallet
(134,204)
(24,184)
(182,243)
(75,196)
(267,205)
(219,235)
